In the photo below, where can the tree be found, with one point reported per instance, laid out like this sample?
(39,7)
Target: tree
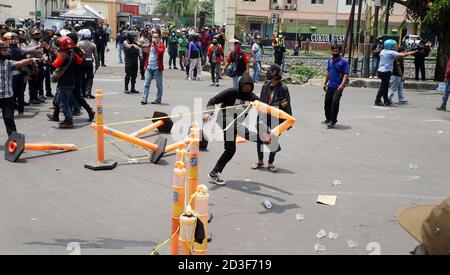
(435,16)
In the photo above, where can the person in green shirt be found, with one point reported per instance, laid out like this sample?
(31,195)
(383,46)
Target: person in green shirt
(183,43)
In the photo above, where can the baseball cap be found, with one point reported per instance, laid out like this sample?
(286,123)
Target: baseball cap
(429,225)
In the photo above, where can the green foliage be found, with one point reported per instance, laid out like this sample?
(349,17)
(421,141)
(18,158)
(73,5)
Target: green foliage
(304,71)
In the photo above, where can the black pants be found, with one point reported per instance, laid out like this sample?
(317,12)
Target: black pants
(7,105)
(230,145)
(131,70)
(173,59)
(182,58)
(420,66)
(33,87)
(48,83)
(384,87)
(259,149)
(87,77)
(101,55)
(215,72)
(80,99)
(332,99)
(278,58)
(142,64)
(19,92)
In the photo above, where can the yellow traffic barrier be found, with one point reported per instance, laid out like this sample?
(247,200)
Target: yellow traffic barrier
(178,188)
(201,206)
(101,163)
(188,223)
(193,160)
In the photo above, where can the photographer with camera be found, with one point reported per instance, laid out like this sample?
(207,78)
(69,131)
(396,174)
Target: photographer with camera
(132,52)
(423,50)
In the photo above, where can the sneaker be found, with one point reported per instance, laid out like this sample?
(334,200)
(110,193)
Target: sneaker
(388,104)
(175,68)
(379,103)
(403,102)
(66,125)
(77,113)
(49,95)
(144,102)
(170,67)
(370,77)
(91,117)
(331,125)
(326,121)
(217,84)
(134,92)
(187,78)
(127,92)
(52,118)
(215,178)
(156,102)
(35,101)
(442,108)
(142,77)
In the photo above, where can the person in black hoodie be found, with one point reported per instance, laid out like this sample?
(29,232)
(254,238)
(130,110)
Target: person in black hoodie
(231,97)
(273,93)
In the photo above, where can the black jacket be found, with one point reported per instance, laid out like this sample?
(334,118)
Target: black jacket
(101,39)
(281,93)
(232,97)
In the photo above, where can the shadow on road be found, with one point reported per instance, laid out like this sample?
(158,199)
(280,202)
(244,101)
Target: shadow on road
(253,188)
(103,243)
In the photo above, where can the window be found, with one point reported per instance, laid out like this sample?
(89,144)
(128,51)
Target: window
(316,1)
(349,2)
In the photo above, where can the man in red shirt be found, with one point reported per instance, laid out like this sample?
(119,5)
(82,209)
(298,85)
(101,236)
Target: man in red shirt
(66,76)
(215,55)
(238,62)
(447,88)
(154,69)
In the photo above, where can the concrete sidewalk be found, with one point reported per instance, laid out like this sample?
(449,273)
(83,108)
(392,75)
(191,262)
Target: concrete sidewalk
(408,84)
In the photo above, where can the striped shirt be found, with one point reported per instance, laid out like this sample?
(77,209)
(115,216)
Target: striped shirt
(6,77)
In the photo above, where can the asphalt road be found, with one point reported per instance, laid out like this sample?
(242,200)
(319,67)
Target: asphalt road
(50,202)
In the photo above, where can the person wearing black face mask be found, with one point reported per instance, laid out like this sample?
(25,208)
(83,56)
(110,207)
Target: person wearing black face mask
(337,75)
(273,93)
(215,56)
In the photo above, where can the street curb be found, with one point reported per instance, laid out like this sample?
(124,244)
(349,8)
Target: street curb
(409,85)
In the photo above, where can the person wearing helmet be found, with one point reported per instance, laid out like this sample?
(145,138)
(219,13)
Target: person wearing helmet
(132,53)
(273,93)
(66,76)
(87,68)
(387,57)
(215,56)
(7,66)
(279,49)
(37,75)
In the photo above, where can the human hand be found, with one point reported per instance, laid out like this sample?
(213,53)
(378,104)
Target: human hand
(206,118)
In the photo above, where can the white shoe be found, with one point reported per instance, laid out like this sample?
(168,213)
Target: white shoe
(217,84)
(190,78)
(199,79)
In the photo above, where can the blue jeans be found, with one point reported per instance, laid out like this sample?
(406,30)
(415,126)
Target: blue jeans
(446,95)
(120,51)
(236,82)
(149,75)
(375,65)
(257,71)
(64,100)
(396,85)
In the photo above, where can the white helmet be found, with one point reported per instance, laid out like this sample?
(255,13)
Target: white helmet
(64,32)
(85,34)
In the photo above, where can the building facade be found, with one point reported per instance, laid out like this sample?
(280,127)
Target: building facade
(301,16)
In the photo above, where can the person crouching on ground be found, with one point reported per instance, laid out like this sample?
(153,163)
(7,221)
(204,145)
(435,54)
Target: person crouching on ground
(273,93)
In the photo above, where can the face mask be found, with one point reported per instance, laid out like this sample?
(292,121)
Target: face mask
(3,57)
(280,36)
(214,43)
(336,55)
(237,48)
(269,75)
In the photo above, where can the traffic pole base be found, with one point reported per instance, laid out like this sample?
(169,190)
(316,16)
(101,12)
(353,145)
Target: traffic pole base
(97,166)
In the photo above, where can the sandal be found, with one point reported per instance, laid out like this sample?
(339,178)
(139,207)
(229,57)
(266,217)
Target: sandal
(272,168)
(257,165)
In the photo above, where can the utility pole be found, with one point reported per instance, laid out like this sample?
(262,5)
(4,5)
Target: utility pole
(386,22)
(212,14)
(367,38)
(358,35)
(335,21)
(352,27)
(375,23)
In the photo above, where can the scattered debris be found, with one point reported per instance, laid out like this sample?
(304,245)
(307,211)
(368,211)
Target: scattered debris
(333,235)
(352,244)
(267,204)
(322,233)
(299,217)
(413,166)
(133,161)
(337,182)
(326,199)
(440,132)
(320,248)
